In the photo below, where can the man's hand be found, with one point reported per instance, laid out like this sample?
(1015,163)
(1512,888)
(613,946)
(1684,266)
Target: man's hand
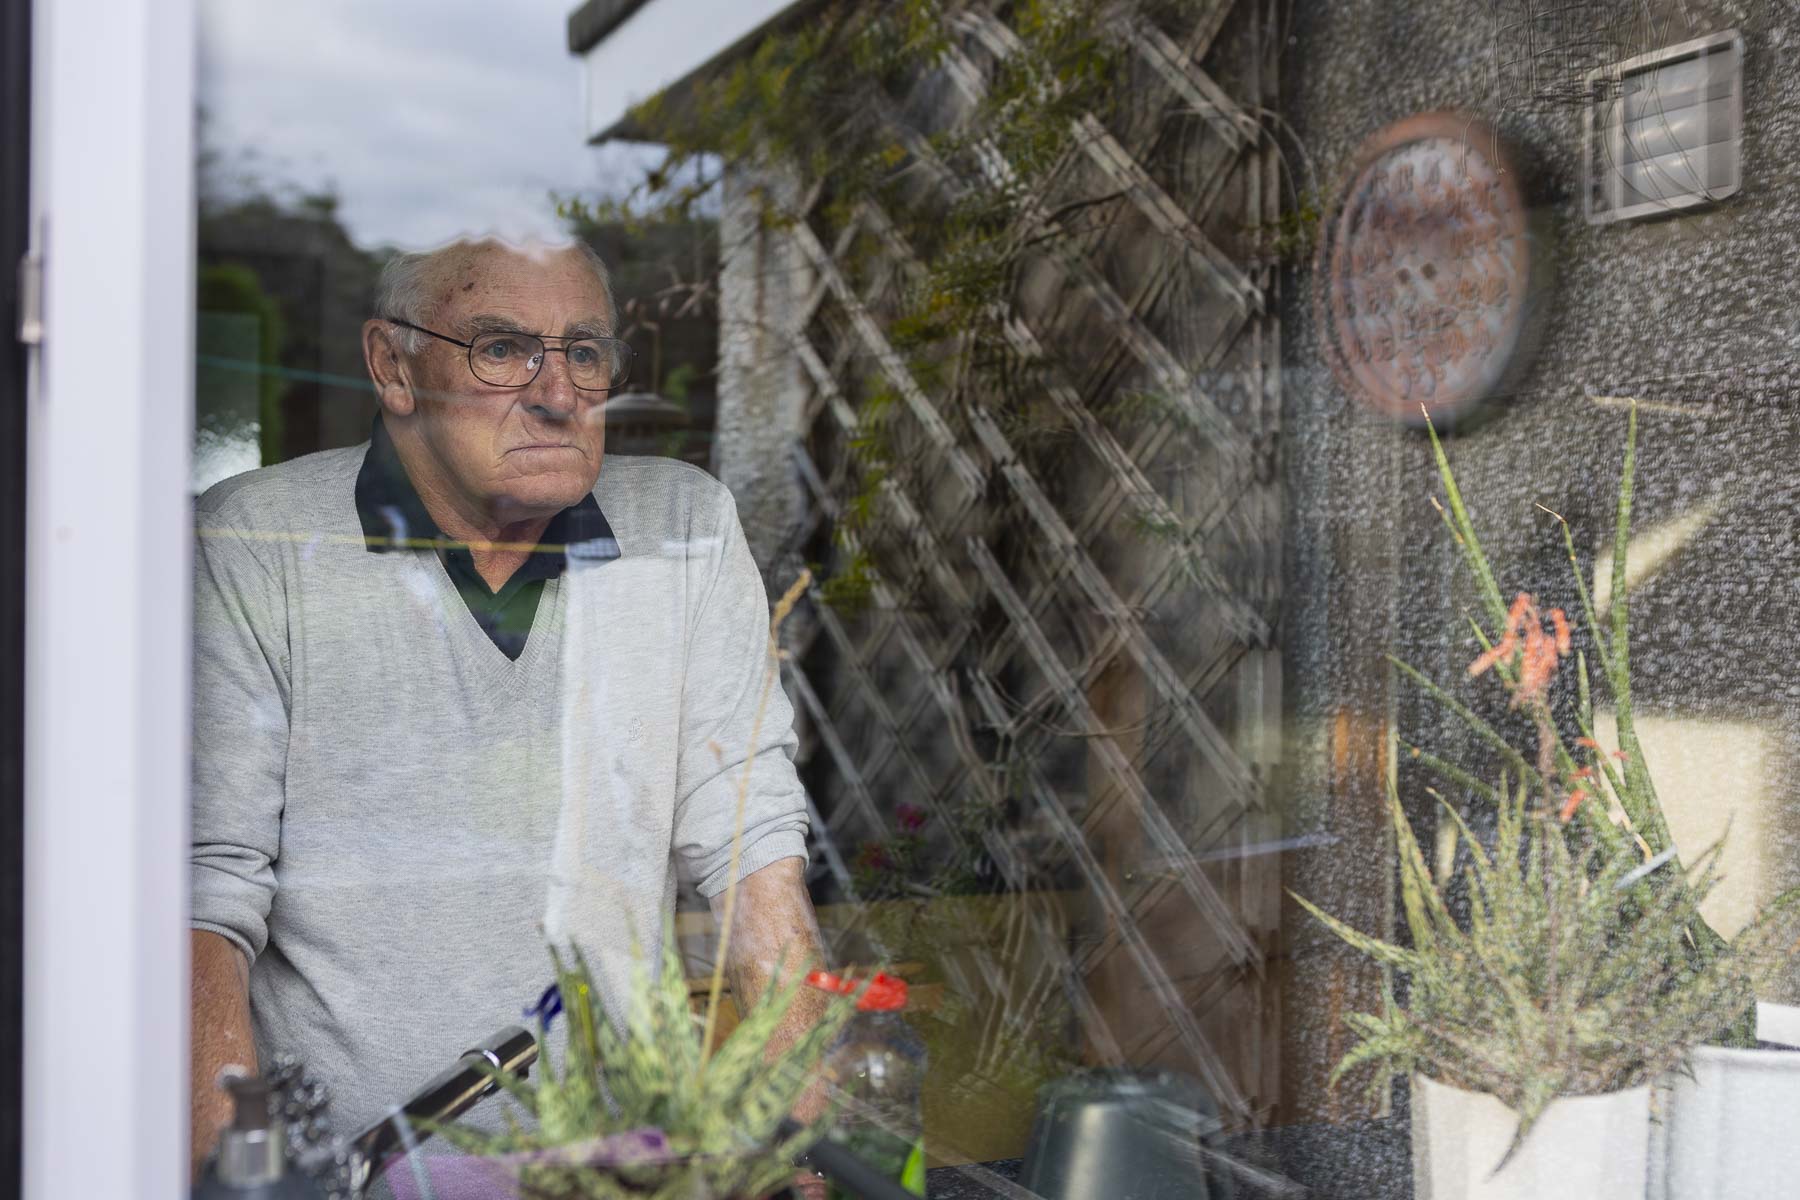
(774,934)
(221,1035)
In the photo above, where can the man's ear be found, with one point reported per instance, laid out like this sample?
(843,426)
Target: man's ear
(388,368)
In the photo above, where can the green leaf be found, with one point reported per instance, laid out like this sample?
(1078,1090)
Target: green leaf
(1450,771)
(1481,728)
(1382,952)
(1426,914)
(1465,532)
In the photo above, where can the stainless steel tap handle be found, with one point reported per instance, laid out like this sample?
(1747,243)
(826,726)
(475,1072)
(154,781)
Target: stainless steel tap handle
(455,1092)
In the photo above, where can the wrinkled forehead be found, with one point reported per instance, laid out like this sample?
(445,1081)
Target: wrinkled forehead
(540,285)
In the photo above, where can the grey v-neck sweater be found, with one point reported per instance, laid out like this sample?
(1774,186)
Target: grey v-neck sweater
(390,817)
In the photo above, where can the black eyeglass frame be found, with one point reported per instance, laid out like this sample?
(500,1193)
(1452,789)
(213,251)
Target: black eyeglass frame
(629,355)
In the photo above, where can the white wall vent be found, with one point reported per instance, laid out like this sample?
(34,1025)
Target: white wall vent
(1664,131)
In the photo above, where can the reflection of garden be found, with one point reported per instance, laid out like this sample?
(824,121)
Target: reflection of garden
(992,1011)
(989,996)
(283,288)
(984,995)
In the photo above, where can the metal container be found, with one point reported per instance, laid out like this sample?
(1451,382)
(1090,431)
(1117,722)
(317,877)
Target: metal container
(1123,1137)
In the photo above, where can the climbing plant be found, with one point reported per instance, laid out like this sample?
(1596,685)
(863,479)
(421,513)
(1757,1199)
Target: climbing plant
(858,99)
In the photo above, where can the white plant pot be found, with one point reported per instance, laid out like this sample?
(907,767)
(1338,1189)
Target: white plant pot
(1733,1129)
(1582,1147)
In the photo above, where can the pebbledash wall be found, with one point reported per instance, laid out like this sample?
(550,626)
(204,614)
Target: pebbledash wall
(1697,316)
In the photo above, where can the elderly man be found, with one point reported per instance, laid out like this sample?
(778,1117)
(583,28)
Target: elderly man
(464,688)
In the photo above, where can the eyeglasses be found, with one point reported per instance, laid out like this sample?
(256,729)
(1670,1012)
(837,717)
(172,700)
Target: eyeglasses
(511,359)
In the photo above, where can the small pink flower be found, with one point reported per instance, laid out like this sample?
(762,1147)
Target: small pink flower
(910,817)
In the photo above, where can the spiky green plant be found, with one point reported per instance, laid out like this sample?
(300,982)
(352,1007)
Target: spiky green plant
(1557,769)
(636,1112)
(1613,794)
(1562,979)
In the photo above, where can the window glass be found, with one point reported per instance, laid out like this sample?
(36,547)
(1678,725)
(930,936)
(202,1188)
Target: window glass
(1094,527)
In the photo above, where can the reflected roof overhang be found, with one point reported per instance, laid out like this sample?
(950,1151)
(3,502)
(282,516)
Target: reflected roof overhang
(633,49)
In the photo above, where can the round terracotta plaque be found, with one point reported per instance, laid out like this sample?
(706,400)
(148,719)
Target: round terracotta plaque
(1424,270)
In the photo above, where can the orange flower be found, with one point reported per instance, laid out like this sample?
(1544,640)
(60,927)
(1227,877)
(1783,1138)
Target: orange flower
(1508,645)
(1540,648)
(1571,804)
(1539,663)
(1587,743)
(1503,649)
(1585,773)
(1522,606)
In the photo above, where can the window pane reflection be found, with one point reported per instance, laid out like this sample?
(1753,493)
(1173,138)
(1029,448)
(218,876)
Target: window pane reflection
(1063,377)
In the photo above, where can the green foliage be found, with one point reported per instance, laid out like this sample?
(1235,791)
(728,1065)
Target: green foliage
(676,383)
(834,98)
(1561,981)
(720,1116)
(1293,236)
(895,862)
(233,288)
(1062,69)
(274,251)
(852,589)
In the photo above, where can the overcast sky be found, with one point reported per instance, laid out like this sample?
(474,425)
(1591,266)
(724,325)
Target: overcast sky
(429,120)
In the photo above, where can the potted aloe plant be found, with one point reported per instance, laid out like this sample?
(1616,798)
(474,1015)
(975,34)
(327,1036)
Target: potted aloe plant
(1533,1028)
(1584,971)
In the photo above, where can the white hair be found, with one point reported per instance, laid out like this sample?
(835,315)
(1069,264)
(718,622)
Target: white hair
(404,291)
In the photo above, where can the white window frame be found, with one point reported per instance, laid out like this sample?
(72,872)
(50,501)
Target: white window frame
(110,398)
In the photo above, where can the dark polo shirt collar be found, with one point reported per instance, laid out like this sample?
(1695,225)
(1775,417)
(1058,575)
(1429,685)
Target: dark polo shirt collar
(393,517)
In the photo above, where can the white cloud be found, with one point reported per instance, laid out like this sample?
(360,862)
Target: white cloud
(428,120)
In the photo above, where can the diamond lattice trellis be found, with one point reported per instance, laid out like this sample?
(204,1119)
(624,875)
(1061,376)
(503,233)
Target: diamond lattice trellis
(1071,615)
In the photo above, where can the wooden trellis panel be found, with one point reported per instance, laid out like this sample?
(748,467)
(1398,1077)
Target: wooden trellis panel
(1073,625)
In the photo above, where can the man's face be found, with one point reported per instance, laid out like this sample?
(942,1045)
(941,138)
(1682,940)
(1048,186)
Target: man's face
(517,452)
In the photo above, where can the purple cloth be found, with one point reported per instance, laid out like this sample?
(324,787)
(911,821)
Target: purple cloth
(465,1177)
(454,1177)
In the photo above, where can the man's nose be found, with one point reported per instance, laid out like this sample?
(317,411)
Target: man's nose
(553,394)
